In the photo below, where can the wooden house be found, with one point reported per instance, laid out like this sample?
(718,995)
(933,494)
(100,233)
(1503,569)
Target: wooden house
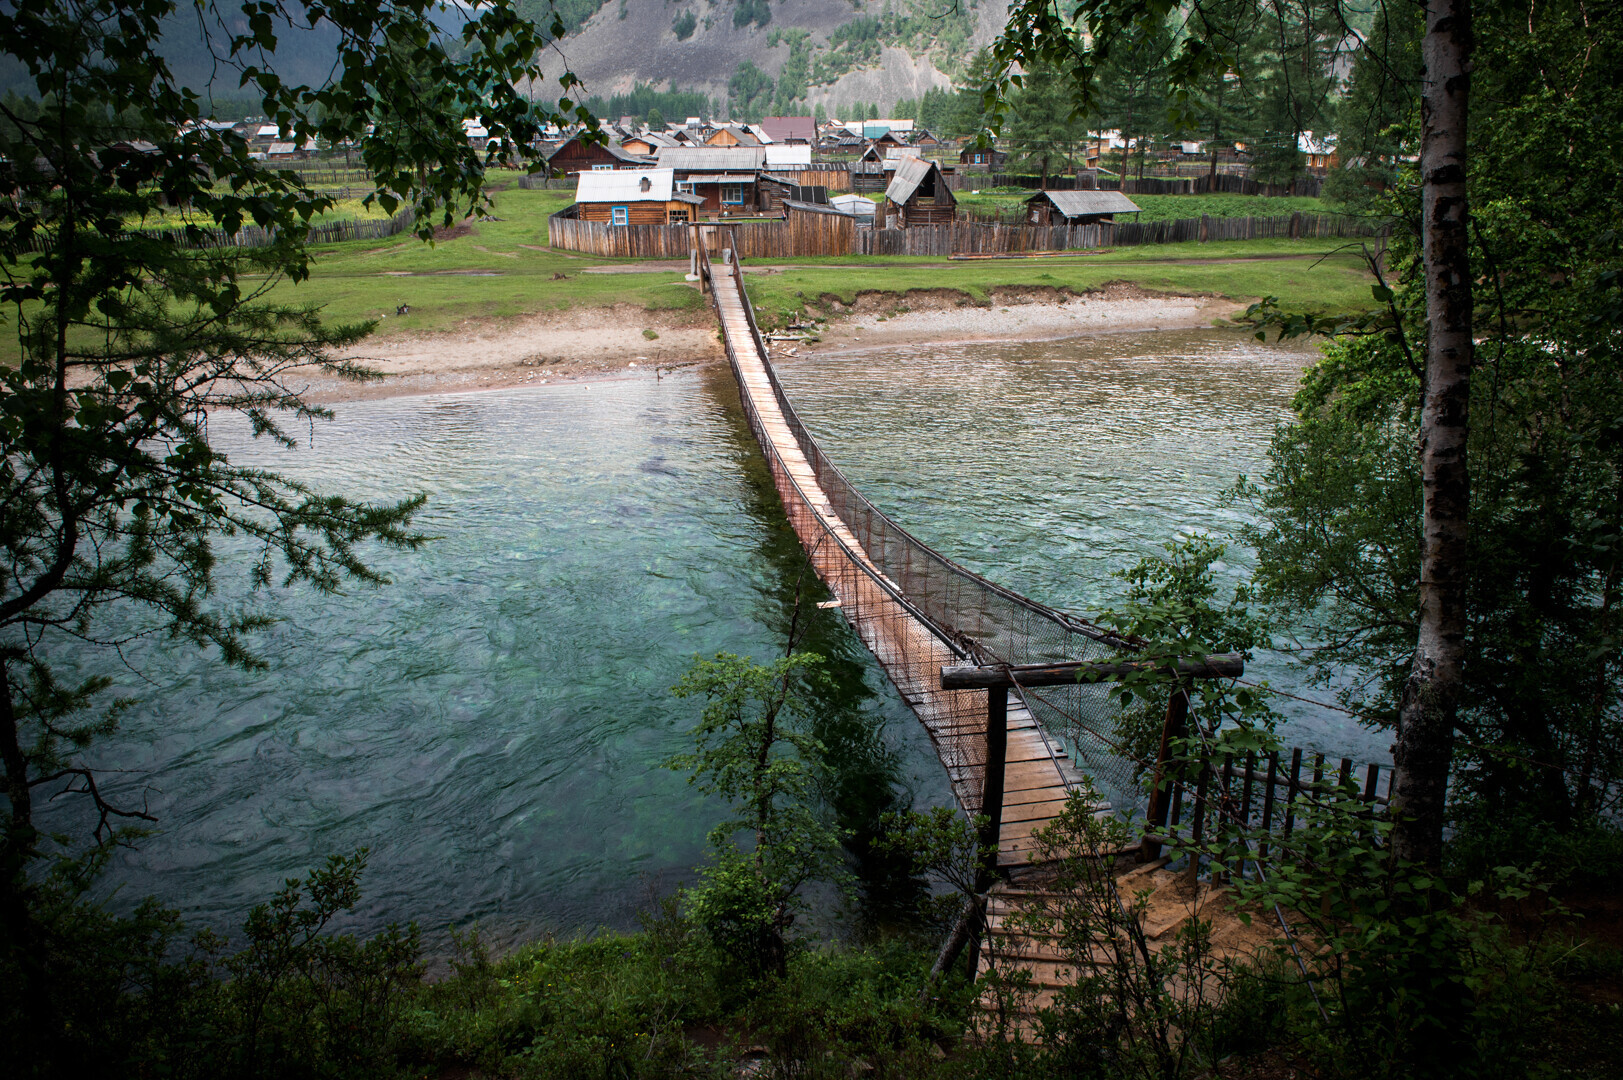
(633,197)
(1319,151)
(730,136)
(646,144)
(921,137)
(918,195)
(576,155)
(1077,207)
(989,158)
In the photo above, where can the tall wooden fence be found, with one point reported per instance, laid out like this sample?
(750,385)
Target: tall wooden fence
(827,234)
(801,234)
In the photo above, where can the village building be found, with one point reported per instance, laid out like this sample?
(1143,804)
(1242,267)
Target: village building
(778,190)
(732,135)
(1320,152)
(688,160)
(857,206)
(633,197)
(918,195)
(793,156)
(790,130)
(1077,207)
(646,144)
(578,155)
(921,137)
(988,158)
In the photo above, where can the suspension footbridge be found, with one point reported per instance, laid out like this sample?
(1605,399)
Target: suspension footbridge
(1015,695)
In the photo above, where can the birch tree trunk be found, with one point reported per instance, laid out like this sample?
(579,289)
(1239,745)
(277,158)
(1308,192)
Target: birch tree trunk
(1425,740)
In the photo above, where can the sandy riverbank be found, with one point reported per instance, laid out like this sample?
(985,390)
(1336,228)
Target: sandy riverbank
(598,343)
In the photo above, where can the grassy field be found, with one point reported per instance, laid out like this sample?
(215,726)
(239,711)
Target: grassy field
(503,268)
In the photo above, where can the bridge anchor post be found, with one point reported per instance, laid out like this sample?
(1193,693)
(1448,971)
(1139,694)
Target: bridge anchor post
(1177,719)
(997,750)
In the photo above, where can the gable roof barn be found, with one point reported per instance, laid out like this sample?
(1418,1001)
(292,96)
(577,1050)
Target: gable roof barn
(1088,203)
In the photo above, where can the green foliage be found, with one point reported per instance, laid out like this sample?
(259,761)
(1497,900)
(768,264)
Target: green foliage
(750,92)
(684,24)
(758,12)
(1172,608)
(945,846)
(125,997)
(753,749)
(644,99)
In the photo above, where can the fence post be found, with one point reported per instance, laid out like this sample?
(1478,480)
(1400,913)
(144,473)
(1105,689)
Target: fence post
(1172,727)
(997,749)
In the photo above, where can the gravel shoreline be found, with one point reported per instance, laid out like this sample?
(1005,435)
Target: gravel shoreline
(590,344)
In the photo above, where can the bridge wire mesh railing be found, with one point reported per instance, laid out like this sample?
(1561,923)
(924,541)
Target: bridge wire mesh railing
(985,622)
(910,649)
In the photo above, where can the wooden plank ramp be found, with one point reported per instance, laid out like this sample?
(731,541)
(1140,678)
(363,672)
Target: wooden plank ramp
(1038,773)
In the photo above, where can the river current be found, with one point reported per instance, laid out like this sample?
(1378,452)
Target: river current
(492,724)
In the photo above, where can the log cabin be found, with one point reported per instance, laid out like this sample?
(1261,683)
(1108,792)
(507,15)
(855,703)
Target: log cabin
(577,155)
(918,195)
(633,197)
(1077,207)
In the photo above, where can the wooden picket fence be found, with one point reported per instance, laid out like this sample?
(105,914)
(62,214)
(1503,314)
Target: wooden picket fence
(253,236)
(826,234)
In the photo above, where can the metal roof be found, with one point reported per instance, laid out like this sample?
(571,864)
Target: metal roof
(711,158)
(910,173)
(720,178)
(815,208)
(789,127)
(1082,203)
(778,156)
(855,205)
(625,185)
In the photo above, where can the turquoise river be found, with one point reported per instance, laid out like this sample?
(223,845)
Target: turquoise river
(492,725)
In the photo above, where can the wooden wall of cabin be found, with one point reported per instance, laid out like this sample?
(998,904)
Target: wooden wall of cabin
(637,213)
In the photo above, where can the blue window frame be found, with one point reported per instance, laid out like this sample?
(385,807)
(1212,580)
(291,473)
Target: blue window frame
(732,194)
(618,215)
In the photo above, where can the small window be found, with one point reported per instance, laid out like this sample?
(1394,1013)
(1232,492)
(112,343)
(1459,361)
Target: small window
(980,159)
(618,215)
(732,194)
(679,217)
(602,168)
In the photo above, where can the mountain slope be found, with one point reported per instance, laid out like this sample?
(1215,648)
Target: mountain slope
(823,52)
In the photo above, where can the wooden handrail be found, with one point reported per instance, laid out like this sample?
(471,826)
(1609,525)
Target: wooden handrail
(1214,666)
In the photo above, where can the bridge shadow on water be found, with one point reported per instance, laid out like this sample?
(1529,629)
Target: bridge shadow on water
(863,774)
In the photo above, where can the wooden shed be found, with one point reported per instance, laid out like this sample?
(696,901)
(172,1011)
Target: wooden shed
(577,155)
(918,194)
(633,197)
(1077,207)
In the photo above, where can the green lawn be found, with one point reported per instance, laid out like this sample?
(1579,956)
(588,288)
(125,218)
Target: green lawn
(503,268)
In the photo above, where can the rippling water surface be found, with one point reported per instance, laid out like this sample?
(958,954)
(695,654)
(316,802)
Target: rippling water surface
(1049,466)
(491,725)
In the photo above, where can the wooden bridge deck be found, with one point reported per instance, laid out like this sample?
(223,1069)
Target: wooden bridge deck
(1038,774)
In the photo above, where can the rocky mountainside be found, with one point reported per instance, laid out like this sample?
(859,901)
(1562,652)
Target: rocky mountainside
(832,53)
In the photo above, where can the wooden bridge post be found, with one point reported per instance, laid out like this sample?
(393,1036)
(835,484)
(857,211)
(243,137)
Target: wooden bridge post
(997,750)
(1177,718)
